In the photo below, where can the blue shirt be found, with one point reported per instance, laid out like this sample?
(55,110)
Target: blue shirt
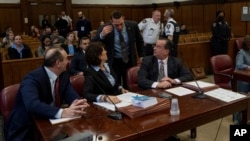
(117,46)
(71,49)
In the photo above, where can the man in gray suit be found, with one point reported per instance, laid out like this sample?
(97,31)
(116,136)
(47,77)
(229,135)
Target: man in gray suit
(162,70)
(123,41)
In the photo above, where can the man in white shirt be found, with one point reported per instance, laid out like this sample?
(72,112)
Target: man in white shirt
(151,29)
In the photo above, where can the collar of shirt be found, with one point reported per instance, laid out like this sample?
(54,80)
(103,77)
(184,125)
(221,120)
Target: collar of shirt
(97,68)
(164,61)
(15,47)
(52,75)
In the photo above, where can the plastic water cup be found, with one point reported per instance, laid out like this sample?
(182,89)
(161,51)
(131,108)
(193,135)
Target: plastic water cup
(174,110)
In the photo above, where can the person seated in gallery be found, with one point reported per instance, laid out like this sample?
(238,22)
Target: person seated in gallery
(19,50)
(78,64)
(69,44)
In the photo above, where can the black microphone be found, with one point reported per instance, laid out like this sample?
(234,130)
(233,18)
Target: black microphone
(200,93)
(116,115)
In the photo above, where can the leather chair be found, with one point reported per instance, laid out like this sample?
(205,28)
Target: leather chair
(239,43)
(223,67)
(77,82)
(7,100)
(132,74)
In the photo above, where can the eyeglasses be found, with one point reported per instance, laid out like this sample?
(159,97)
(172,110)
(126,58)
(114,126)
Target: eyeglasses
(85,43)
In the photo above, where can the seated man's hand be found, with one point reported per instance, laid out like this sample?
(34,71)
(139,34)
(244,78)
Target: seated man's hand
(76,109)
(164,84)
(124,91)
(172,81)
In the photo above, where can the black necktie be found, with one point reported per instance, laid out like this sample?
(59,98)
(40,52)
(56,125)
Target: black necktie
(124,48)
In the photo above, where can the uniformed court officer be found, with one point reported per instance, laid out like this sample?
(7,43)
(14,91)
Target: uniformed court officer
(172,30)
(151,30)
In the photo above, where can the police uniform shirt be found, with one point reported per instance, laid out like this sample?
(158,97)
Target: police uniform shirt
(169,28)
(150,30)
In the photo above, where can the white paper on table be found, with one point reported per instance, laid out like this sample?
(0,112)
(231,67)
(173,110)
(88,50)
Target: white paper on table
(180,91)
(111,106)
(201,84)
(128,96)
(224,95)
(61,120)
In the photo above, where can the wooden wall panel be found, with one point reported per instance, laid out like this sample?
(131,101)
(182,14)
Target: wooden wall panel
(197,18)
(10,16)
(137,14)
(238,26)
(97,17)
(209,16)
(248,23)
(187,17)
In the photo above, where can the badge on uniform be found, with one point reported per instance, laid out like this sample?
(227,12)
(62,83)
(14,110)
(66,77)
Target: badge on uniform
(144,21)
(168,26)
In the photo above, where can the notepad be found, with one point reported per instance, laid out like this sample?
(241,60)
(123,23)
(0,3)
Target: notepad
(61,120)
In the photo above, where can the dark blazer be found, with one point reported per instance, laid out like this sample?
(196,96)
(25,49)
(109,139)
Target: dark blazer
(13,54)
(135,42)
(149,70)
(77,63)
(97,83)
(34,98)
(65,47)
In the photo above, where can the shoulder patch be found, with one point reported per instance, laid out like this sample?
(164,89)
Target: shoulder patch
(144,21)
(168,26)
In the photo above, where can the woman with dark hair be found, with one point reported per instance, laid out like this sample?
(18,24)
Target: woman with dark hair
(45,45)
(100,79)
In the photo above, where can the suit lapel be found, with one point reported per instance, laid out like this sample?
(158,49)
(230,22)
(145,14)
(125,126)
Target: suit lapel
(156,70)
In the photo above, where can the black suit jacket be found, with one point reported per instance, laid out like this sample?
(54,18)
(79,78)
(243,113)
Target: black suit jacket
(13,54)
(149,70)
(34,98)
(97,83)
(135,42)
(78,63)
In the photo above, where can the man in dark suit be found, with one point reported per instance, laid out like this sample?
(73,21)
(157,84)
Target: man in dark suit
(78,64)
(162,70)
(41,95)
(123,41)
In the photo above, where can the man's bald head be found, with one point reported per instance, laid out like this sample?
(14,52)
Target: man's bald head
(52,55)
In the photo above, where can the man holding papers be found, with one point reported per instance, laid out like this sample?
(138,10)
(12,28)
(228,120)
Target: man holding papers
(41,94)
(162,70)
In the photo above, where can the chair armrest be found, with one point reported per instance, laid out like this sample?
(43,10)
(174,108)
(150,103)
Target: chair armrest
(224,75)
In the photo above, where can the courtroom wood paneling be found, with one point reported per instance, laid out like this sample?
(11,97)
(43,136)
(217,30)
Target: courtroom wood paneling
(138,14)
(197,19)
(75,11)
(209,16)
(248,24)
(10,16)
(14,70)
(238,26)
(187,17)
(96,17)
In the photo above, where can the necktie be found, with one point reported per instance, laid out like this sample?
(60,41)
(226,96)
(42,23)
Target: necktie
(161,70)
(56,92)
(124,48)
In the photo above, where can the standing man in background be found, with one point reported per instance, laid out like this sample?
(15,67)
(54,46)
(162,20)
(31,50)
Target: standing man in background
(172,30)
(83,26)
(221,34)
(68,19)
(123,41)
(151,29)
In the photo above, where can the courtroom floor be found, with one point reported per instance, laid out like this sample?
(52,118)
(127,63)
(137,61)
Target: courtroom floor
(208,132)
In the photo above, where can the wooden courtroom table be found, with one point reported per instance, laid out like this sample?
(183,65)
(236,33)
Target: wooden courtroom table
(156,126)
